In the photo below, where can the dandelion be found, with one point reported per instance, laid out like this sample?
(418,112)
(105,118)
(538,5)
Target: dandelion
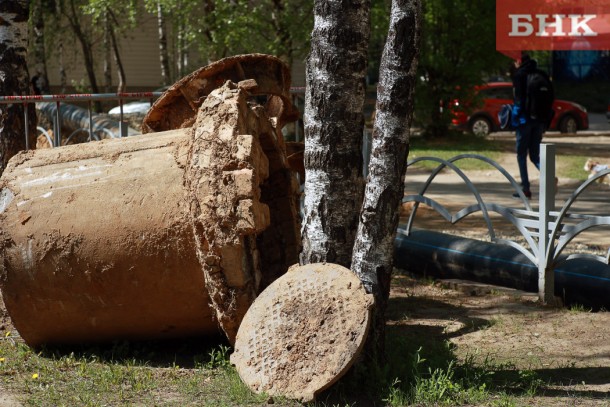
(2,360)
(35,376)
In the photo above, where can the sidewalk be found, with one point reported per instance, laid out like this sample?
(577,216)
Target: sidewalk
(450,190)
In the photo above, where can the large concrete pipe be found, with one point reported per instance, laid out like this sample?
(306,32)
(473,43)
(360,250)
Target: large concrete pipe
(156,236)
(428,253)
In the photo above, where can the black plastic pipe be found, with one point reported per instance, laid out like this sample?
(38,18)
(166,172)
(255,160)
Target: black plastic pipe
(426,253)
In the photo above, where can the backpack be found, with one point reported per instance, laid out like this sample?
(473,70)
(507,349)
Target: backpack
(539,97)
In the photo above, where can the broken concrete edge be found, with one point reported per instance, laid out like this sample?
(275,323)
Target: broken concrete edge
(178,106)
(225,197)
(262,363)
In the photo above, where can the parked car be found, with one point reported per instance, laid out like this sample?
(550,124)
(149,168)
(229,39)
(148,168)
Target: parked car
(137,106)
(569,116)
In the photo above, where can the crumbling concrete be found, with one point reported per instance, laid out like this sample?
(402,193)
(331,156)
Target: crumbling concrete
(156,236)
(178,106)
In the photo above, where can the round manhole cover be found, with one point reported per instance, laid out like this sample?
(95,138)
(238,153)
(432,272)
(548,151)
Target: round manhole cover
(303,332)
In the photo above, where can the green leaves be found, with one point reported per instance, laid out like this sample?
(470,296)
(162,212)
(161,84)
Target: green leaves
(457,53)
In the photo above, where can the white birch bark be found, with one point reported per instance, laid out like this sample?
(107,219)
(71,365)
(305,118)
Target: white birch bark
(373,251)
(334,122)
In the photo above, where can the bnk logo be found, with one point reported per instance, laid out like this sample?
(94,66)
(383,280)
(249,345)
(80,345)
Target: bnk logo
(524,25)
(552,25)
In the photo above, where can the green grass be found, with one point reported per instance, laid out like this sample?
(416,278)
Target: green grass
(579,309)
(420,372)
(456,143)
(571,167)
(123,375)
(568,166)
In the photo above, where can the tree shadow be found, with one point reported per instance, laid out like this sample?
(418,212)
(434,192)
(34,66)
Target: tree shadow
(185,352)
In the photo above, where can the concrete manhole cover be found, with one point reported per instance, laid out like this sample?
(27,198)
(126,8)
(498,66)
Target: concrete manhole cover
(303,332)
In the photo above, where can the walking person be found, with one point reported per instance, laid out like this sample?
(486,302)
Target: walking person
(532,114)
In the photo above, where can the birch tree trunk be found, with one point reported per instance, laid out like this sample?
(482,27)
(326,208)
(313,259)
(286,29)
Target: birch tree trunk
(163,53)
(107,61)
(14,79)
(38,56)
(122,86)
(374,248)
(334,123)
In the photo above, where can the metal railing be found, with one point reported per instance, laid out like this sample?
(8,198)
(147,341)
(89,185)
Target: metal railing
(87,98)
(546,231)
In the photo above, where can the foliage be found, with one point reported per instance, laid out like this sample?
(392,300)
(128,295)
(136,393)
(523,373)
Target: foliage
(222,28)
(126,9)
(457,53)
(380,12)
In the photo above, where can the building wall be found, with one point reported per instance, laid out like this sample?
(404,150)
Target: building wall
(139,49)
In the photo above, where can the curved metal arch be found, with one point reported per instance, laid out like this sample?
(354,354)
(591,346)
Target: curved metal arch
(509,214)
(550,255)
(469,184)
(108,132)
(575,230)
(46,134)
(505,212)
(481,205)
(498,167)
(429,202)
(82,129)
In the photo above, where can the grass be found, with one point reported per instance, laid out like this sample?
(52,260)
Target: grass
(123,374)
(571,167)
(456,143)
(579,309)
(420,372)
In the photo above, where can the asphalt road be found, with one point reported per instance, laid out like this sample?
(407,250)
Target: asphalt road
(598,122)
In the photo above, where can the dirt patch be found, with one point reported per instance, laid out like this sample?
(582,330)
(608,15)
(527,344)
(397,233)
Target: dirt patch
(566,349)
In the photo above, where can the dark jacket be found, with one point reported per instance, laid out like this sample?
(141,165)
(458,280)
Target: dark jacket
(520,81)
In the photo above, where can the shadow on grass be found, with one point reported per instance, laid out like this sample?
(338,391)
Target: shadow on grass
(186,352)
(420,358)
(419,355)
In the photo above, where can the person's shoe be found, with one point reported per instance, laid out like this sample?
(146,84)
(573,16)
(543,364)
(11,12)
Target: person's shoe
(528,195)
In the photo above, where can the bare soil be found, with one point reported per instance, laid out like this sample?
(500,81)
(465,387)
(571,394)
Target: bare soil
(566,349)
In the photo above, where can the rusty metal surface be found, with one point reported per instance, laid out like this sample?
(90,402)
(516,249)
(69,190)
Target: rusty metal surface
(178,106)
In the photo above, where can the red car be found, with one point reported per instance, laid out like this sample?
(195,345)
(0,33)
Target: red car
(569,116)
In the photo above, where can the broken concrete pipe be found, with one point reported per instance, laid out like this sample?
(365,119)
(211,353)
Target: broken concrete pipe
(163,235)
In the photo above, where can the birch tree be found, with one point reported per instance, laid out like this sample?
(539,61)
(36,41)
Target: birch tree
(334,122)
(14,79)
(38,59)
(373,255)
(334,207)
(163,53)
